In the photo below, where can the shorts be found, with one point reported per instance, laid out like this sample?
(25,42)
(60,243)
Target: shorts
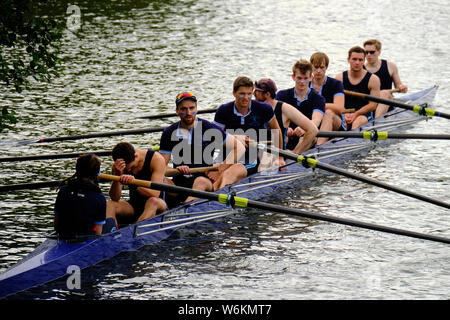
(370,116)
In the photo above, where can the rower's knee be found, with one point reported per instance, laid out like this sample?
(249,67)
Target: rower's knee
(235,172)
(156,204)
(202,183)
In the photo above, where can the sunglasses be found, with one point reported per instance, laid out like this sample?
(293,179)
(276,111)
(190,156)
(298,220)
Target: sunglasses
(370,51)
(184,95)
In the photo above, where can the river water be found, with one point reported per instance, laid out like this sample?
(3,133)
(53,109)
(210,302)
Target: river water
(130,58)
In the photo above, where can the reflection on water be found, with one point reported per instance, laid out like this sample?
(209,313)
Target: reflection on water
(131,58)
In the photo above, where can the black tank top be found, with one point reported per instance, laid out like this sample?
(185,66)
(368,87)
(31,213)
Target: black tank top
(279,114)
(361,87)
(385,77)
(144,174)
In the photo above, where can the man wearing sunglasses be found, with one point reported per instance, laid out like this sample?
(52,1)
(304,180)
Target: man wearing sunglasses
(329,88)
(304,98)
(358,80)
(248,120)
(192,142)
(387,71)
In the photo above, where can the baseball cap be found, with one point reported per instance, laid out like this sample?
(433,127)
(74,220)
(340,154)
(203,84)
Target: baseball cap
(183,96)
(266,85)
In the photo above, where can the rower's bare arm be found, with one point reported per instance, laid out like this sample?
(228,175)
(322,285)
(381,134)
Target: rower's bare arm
(317,117)
(115,190)
(396,77)
(300,120)
(340,77)
(273,124)
(338,105)
(374,86)
(309,137)
(158,169)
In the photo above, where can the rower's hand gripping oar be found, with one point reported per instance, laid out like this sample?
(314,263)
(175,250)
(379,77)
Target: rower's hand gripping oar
(230,199)
(314,163)
(420,109)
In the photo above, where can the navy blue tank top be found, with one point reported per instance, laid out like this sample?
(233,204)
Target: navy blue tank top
(385,78)
(279,114)
(361,87)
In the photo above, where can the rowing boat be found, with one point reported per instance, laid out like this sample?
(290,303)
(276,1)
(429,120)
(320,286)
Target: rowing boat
(56,258)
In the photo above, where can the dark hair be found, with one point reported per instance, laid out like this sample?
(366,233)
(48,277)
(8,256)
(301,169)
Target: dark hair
(242,82)
(356,49)
(125,151)
(88,166)
(303,66)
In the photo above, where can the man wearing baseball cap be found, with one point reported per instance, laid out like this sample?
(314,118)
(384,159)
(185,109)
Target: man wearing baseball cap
(265,91)
(191,142)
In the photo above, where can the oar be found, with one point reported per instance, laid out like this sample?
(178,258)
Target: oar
(380,135)
(313,163)
(93,135)
(174,172)
(54,156)
(30,186)
(422,110)
(60,155)
(57,183)
(234,201)
(168,115)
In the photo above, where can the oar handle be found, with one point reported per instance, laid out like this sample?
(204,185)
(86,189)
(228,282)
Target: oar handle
(136,182)
(348,111)
(174,172)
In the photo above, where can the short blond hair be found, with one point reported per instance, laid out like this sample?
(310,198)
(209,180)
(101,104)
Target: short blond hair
(373,42)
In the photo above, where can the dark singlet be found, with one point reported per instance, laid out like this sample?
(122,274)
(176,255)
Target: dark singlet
(136,199)
(279,115)
(362,87)
(385,78)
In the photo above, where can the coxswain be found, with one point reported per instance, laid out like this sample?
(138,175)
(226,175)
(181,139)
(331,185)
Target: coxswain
(80,206)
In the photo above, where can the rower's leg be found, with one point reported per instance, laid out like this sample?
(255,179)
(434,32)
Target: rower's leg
(359,121)
(202,184)
(382,109)
(116,209)
(233,174)
(330,122)
(152,207)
